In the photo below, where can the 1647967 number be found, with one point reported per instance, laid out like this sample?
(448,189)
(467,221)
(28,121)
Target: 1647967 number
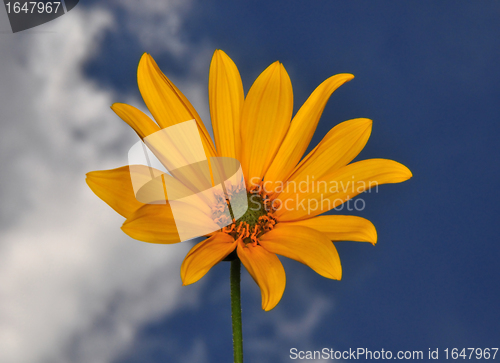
(32,7)
(471,353)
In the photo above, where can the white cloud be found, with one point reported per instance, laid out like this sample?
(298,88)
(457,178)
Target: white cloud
(73,287)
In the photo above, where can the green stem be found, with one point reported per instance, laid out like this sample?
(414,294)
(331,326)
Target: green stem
(236,310)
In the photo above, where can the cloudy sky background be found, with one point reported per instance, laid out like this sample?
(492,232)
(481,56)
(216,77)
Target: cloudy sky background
(74,288)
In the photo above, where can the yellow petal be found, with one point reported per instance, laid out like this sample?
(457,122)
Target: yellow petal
(306,245)
(165,102)
(154,186)
(338,148)
(136,119)
(115,188)
(205,255)
(333,189)
(153,223)
(266,115)
(225,93)
(302,130)
(340,228)
(266,270)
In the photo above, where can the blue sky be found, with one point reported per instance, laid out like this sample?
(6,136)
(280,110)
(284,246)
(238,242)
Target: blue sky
(425,73)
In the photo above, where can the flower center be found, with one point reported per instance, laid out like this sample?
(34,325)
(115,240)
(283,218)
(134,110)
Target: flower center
(257,220)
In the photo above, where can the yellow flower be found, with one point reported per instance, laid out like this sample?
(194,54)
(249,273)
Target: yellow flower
(282,186)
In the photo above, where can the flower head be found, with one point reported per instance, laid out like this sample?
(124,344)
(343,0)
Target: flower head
(285,191)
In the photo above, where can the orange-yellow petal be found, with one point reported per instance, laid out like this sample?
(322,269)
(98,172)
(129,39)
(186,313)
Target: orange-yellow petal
(266,270)
(136,119)
(334,189)
(340,228)
(338,148)
(165,102)
(265,119)
(225,94)
(302,130)
(115,188)
(306,245)
(153,223)
(204,255)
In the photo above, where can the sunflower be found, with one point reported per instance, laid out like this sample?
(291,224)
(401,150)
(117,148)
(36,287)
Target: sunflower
(286,191)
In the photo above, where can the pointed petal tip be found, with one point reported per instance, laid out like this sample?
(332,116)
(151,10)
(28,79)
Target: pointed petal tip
(407,172)
(276,64)
(89,179)
(268,308)
(339,78)
(91,176)
(143,58)
(116,105)
(375,236)
(184,279)
(183,274)
(146,59)
(334,275)
(125,227)
(185,282)
(142,63)
(347,76)
(337,275)
(221,56)
(366,122)
(270,305)
(403,173)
